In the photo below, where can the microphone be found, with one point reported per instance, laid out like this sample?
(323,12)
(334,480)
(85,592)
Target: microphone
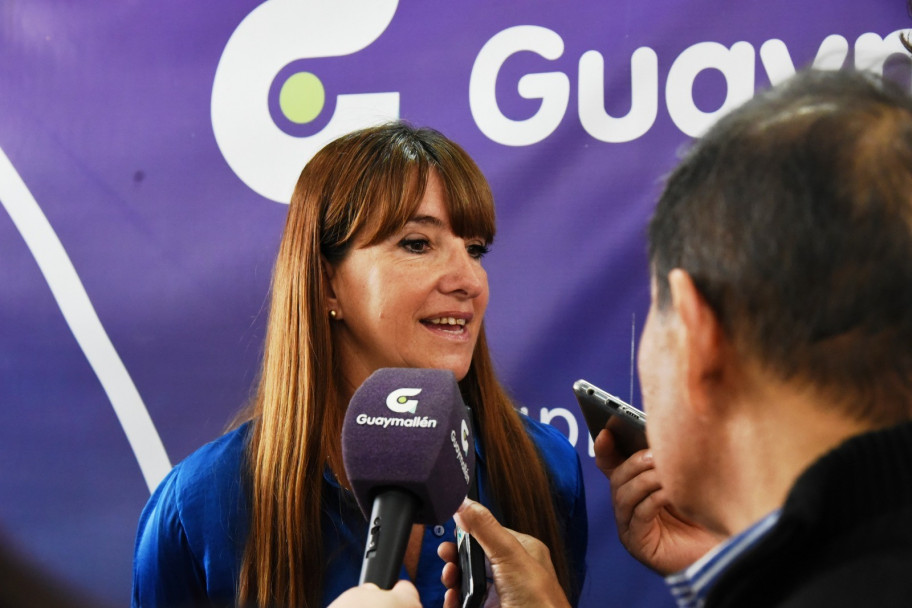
(409,455)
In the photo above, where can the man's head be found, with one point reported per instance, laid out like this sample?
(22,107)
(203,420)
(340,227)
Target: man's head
(793,219)
(781,320)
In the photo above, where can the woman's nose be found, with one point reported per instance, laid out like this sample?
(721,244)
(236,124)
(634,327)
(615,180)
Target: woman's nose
(463,274)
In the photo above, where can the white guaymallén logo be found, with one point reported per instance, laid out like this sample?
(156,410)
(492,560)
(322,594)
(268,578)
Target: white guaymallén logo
(399,401)
(274,35)
(465,437)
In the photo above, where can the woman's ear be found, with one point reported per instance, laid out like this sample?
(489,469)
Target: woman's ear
(705,351)
(333,307)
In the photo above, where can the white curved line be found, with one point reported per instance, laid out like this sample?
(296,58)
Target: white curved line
(80,315)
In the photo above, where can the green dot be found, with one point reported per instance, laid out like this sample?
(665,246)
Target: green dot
(302,97)
(401,399)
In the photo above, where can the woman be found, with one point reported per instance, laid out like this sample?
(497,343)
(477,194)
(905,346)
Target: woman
(379,266)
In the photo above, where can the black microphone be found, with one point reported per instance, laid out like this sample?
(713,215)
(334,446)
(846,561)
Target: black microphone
(409,456)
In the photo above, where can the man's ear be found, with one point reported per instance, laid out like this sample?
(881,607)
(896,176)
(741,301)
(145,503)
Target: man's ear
(333,307)
(704,346)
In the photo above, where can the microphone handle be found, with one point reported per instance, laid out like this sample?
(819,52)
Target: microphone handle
(390,526)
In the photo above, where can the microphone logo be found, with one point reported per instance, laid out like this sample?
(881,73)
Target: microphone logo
(465,437)
(399,401)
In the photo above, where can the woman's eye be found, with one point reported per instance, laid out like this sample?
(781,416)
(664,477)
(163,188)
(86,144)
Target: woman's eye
(478,250)
(415,245)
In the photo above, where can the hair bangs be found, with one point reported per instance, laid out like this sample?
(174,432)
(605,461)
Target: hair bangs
(468,201)
(393,183)
(390,199)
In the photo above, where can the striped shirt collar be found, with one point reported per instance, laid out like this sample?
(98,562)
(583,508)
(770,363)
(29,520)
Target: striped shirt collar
(691,585)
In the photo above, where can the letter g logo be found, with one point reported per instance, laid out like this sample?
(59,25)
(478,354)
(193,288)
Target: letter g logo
(258,56)
(399,401)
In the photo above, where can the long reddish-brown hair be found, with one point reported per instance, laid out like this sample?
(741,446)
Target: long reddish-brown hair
(369,182)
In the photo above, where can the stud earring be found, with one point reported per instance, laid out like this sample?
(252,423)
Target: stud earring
(332,313)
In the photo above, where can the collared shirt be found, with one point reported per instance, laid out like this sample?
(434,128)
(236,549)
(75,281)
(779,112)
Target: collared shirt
(193,531)
(691,585)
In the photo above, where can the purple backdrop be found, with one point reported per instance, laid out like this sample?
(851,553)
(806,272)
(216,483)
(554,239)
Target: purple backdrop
(145,144)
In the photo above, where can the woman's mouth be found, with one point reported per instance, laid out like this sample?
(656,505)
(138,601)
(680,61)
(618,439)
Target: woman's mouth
(448,324)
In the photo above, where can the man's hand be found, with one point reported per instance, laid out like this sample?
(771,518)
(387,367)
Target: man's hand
(647,523)
(521,565)
(402,595)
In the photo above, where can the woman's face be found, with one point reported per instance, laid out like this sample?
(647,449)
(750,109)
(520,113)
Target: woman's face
(414,300)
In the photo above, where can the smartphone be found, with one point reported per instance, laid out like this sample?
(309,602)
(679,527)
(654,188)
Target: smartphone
(600,409)
(474,585)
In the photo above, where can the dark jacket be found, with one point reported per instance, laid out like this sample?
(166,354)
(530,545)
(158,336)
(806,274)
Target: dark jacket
(844,537)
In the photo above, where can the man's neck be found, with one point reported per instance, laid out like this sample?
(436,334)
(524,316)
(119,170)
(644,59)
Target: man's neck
(773,435)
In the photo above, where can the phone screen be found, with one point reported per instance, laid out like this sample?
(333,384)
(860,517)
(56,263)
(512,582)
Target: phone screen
(474,586)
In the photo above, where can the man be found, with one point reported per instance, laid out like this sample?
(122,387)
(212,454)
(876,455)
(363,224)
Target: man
(776,365)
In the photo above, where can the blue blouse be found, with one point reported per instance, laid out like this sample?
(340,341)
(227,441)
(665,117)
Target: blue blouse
(193,530)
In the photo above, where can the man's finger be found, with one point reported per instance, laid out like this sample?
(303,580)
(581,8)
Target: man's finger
(407,591)
(448,551)
(451,575)
(629,497)
(496,540)
(607,456)
(632,467)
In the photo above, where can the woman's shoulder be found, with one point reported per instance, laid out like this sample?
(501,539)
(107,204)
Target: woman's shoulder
(202,497)
(209,476)
(193,526)
(542,433)
(220,456)
(554,446)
